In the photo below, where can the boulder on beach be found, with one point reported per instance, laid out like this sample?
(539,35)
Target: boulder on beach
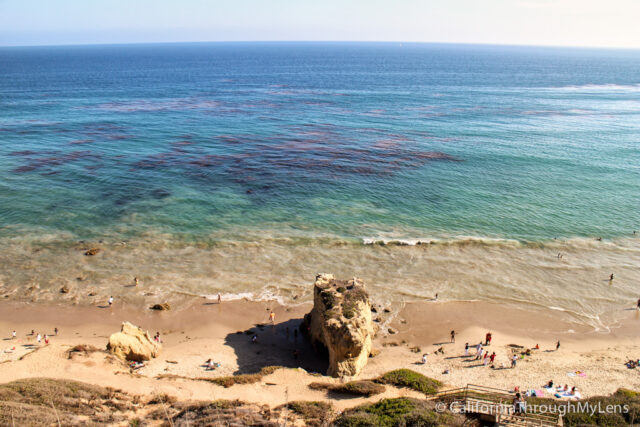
(340,321)
(163,306)
(132,343)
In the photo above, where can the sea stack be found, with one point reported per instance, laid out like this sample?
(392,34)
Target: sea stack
(340,321)
(132,343)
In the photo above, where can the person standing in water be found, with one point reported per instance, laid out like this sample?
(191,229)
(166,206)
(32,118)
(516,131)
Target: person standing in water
(219,299)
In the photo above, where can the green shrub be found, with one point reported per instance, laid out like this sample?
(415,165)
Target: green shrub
(411,379)
(398,412)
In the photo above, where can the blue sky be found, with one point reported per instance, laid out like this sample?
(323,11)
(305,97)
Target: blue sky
(602,23)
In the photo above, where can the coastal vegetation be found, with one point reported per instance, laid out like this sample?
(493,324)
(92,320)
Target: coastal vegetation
(400,411)
(313,413)
(410,379)
(355,388)
(231,380)
(40,401)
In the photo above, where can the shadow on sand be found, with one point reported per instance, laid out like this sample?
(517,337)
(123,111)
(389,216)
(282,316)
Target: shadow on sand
(276,345)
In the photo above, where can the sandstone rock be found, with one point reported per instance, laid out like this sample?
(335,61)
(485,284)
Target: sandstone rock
(392,331)
(132,343)
(64,289)
(92,252)
(163,306)
(340,321)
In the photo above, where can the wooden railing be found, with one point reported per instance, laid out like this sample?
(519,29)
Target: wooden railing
(476,399)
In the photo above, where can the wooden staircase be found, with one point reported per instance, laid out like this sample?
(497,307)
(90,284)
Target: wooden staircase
(492,404)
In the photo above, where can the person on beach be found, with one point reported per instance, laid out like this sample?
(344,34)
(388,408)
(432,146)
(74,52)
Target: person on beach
(55,330)
(254,339)
(479,356)
(611,277)
(466,349)
(487,338)
(272,318)
(110,301)
(485,359)
(492,358)
(514,361)
(135,281)
(13,335)
(435,298)
(424,358)
(478,350)
(453,336)
(550,384)
(219,299)
(46,339)
(558,345)
(39,339)
(638,306)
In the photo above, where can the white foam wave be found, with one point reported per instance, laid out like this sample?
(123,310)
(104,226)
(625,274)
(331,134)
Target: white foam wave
(250,296)
(610,87)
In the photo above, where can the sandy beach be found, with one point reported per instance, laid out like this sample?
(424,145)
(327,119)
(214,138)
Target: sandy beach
(202,329)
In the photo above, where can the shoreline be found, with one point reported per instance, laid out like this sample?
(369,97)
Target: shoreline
(201,329)
(570,277)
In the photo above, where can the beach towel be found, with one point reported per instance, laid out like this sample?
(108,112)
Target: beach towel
(571,374)
(539,393)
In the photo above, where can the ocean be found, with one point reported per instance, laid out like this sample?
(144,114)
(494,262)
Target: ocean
(508,174)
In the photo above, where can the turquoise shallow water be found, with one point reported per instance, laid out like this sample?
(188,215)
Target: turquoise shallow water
(235,141)
(247,168)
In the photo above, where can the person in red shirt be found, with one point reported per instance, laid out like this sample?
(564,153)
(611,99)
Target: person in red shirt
(488,338)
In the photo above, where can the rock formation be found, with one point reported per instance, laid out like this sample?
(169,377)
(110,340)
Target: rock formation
(132,343)
(163,306)
(340,321)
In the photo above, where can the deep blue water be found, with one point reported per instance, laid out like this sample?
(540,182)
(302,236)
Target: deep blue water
(307,140)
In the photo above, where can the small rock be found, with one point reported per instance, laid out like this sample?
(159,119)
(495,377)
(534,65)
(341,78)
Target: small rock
(392,331)
(92,252)
(92,294)
(64,289)
(387,310)
(163,306)
(374,352)
(374,310)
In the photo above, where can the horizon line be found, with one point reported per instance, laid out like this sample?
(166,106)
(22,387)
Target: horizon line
(321,41)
